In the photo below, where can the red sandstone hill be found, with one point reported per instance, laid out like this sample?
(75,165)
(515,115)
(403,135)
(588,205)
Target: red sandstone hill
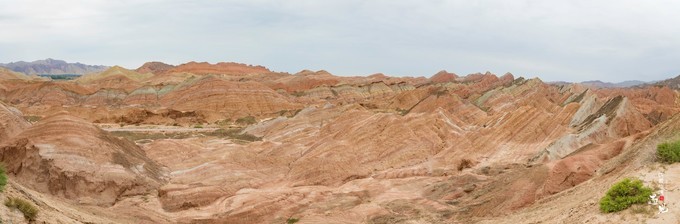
(443,76)
(154,67)
(225,68)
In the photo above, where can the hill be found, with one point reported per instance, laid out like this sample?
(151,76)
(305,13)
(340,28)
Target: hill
(673,83)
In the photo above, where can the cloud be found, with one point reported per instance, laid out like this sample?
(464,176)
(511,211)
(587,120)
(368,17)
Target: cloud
(555,40)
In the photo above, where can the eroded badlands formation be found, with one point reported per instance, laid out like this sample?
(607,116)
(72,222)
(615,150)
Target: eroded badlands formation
(320,148)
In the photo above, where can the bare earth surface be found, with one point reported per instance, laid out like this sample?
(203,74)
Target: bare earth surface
(236,143)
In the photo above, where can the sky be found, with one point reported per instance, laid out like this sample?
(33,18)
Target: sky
(576,40)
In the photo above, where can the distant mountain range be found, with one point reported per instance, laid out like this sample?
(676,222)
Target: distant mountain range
(53,67)
(673,83)
(601,84)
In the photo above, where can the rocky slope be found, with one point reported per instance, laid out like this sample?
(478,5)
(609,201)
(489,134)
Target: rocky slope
(70,158)
(11,122)
(673,83)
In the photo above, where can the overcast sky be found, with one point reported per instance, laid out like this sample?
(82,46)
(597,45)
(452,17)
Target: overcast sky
(577,40)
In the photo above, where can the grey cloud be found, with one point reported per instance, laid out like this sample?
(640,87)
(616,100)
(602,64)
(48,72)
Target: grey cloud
(555,40)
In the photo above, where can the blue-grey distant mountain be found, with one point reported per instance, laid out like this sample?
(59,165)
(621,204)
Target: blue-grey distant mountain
(53,67)
(624,84)
(601,84)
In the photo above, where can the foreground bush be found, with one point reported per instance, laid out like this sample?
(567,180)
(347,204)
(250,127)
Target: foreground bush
(669,152)
(29,210)
(624,194)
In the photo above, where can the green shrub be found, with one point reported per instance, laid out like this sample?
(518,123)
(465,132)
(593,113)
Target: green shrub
(29,210)
(669,152)
(292,220)
(3,177)
(624,194)
(298,93)
(32,118)
(198,126)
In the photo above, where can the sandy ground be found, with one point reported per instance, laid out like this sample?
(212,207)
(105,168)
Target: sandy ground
(671,187)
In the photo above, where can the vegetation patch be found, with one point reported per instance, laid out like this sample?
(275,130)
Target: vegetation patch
(298,93)
(233,134)
(246,120)
(32,118)
(292,220)
(402,112)
(668,152)
(464,164)
(624,194)
(61,76)
(289,113)
(3,177)
(29,210)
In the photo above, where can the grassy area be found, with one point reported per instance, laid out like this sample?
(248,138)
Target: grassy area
(32,118)
(292,220)
(232,134)
(668,152)
(248,120)
(26,207)
(3,177)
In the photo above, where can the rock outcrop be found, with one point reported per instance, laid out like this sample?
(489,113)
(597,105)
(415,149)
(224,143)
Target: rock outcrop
(11,122)
(443,76)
